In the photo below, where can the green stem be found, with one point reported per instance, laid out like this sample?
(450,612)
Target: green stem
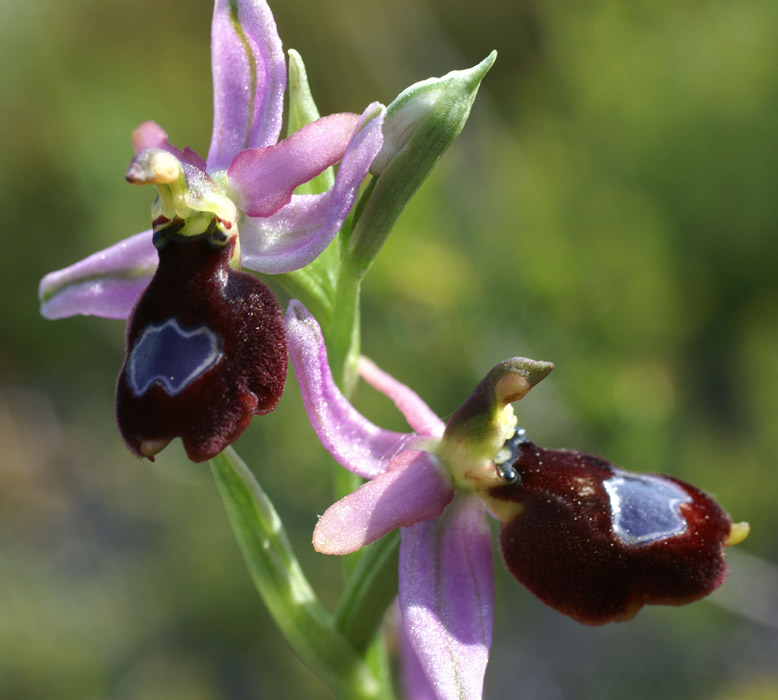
(371,589)
(309,289)
(366,596)
(289,598)
(343,345)
(343,336)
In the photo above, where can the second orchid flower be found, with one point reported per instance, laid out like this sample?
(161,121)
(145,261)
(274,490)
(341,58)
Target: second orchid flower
(589,539)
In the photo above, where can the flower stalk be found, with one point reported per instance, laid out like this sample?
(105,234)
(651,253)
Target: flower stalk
(371,589)
(308,627)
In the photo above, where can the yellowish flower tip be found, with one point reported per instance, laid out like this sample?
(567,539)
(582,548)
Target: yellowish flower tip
(153,166)
(737,533)
(537,371)
(149,448)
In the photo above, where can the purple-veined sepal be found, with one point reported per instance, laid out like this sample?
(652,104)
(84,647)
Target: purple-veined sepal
(416,685)
(419,415)
(107,283)
(356,443)
(249,80)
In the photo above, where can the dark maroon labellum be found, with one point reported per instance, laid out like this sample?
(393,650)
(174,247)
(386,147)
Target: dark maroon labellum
(597,543)
(206,351)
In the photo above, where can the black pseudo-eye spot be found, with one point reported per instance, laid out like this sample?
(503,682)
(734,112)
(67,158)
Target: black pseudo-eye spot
(645,508)
(508,455)
(206,351)
(597,543)
(171,356)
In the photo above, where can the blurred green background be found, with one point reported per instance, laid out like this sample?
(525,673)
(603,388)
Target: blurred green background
(610,206)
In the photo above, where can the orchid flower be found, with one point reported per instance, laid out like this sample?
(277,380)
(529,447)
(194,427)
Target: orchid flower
(205,344)
(591,540)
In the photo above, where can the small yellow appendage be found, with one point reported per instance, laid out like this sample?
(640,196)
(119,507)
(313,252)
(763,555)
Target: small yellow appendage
(737,533)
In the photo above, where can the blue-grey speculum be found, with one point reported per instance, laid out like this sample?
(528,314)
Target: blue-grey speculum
(171,356)
(645,508)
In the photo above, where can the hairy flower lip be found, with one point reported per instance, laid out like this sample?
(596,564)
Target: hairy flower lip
(620,540)
(200,330)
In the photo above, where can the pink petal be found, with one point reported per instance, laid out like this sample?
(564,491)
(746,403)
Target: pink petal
(413,489)
(149,135)
(447,598)
(419,416)
(107,283)
(263,179)
(288,240)
(249,80)
(296,234)
(152,135)
(356,443)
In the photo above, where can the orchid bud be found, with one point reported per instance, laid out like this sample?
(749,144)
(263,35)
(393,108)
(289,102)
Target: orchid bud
(421,123)
(597,543)
(426,117)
